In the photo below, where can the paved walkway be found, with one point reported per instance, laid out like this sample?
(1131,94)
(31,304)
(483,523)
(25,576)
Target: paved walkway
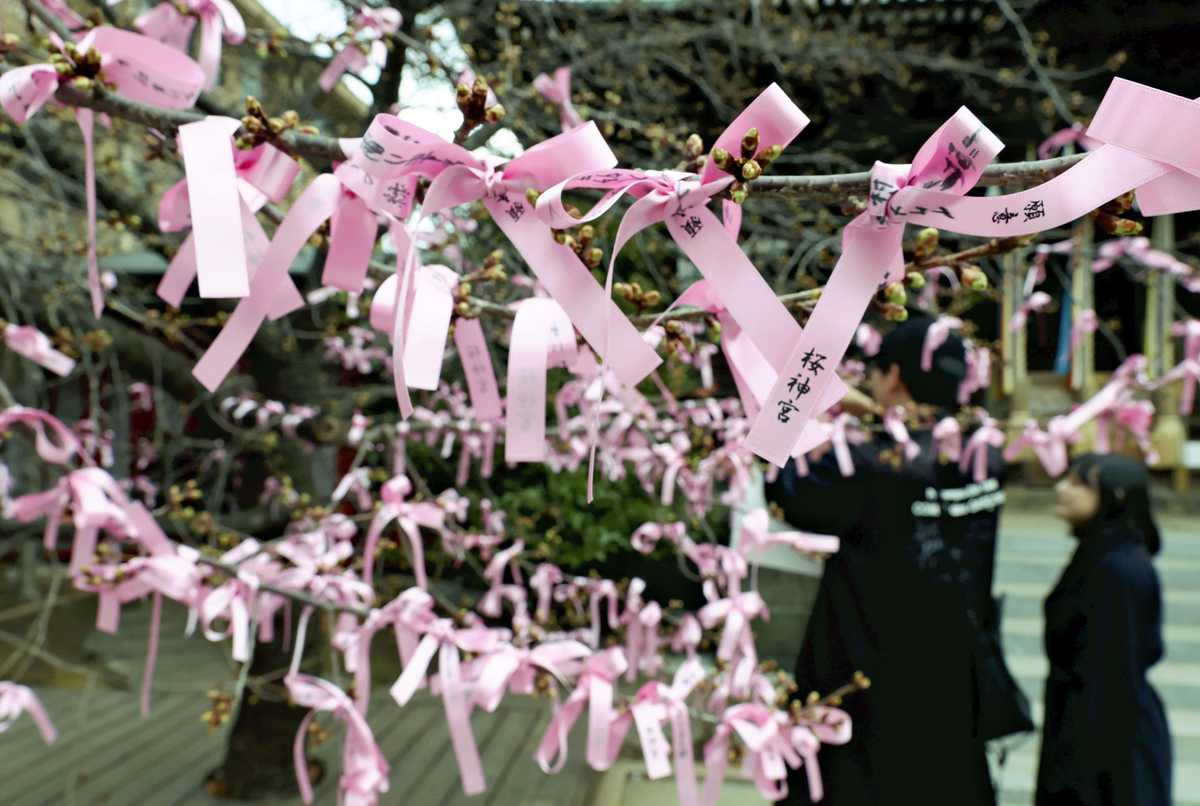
(108,754)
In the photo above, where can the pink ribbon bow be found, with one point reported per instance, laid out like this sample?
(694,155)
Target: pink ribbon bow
(680,201)
(364,768)
(755,535)
(1063,137)
(736,646)
(947,436)
(219,20)
(223,189)
(594,689)
(979,372)
(512,669)
(410,516)
(1037,301)
(975,455)
(893,423)
(544,578)
(557,90)
(542,337)
(442,638)
(935,337)
(646,536)
(410,614)
(31,343)
(141,69)
(951,162)
(369,26)
(654,704)
(234,601)
(1087,322)
(16,700)
(772,745)
(641,620)
(97,503)
(497,592)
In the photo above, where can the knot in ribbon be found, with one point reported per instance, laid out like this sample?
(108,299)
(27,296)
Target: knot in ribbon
(369,26)
(16,700)
(235,602)
(646,536)
(222,190)
(975,455)
(513,669)
(140,68)
(56,451)
(595,689)
(771,746)
(641,620)
(893,423)
(737,639)
(947,165)
(410,516)
(364,768)
(219,20)
(935,337)
(947,435)
(493,574)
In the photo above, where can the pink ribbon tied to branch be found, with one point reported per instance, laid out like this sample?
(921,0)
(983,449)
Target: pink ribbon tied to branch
(935,337)
(557,90)
(222,190)
(219,20)
(430,305)
(490,604)
(369,27)
(410,516)
(33,344)
(755,535)
(952,161)
(15,700)
(441,637)
(641,620)
(97,504)
(1087,322)
(1037,301)
(410,614)
(542,336)
(594,689)
(974,457)
(1189,331)
(56,451)
(893,424)
(516,669)
(458,177)
(364,768)
(140,68)
(736,647)
(680,200)
(772,744)
(655,703)
(236,603)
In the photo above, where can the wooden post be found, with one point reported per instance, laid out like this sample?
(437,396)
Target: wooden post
(1083,360)
(1170,432)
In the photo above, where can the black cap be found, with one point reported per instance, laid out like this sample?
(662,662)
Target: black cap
(903,346)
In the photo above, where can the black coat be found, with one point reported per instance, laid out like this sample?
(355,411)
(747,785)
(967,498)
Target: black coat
(1105,739)
(917,555)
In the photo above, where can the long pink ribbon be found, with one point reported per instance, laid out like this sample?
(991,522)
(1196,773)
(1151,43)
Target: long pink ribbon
(557,90)
(16,700)
(542,337)
(142,70)
(33,344)
(953,159)
(219,20)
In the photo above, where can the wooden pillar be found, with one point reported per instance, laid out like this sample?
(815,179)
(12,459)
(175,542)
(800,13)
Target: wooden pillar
(1015,376)
(1170,432)
(1083,361)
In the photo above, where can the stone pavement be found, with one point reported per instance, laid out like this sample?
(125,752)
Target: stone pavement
(107,754)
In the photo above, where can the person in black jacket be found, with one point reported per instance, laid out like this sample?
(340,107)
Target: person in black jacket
(903,598)
(1105,740)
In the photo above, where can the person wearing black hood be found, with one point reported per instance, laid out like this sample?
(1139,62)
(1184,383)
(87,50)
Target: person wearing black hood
(906,597)
(1105,740)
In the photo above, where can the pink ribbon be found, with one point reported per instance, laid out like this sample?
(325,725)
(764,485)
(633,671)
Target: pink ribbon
(234,601)
(893,423)
(654,704)
(476,360)
(947,436)
(141,69)
(222,191)
(409,516)
(975,454)
(97,503)
(31,343)
(935,337)
(364,768)
(755,535)
(772,745)
(542,337)
(1190,332)
(868,339)
(594,689)
(543,580)
(1087,322)
(368,25)
(1037,301)
(56,451)
(641,620)
(442,638)
(431,305)
(497,592)
(512,669)
(979,372)
(1064,137)
(219,20)
(557,90)
(953,160)
(736,646)
(16,700)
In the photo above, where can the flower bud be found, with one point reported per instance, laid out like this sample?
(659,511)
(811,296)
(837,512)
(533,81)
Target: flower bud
(915,280)
(750,143)
(721,158)
(594,257)
(694,146)
(769,154)
(532,195)
(895,294)
(927,242)
(751,170)
(974,278)
(494,114)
